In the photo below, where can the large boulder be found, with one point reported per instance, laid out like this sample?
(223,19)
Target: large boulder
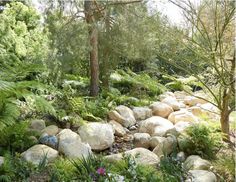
(37,124)
(51,130)
(210,110)
(182,126)
(156,141)
(201,176)
(166,146)
(194,162)
(141,140)
(182,115)
(39,152)
(99,136)
(114,115)
(141,113)
(123,115)
(166,94)
(192,101)
(161,109)
(155,126)
(172,101)
(71,146)
(197,111)
(141,155)
(180,95)
(118,128)
(126,113)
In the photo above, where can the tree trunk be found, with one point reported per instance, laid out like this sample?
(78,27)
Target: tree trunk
(224,120)
(93,40)
(94,66)
(224,116)
(106,67)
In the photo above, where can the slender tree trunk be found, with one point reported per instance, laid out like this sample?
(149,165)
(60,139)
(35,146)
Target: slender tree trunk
(106,66)
(93,39)
(224,116)
(94,66)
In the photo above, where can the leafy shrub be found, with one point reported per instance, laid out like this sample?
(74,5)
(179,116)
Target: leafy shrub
(132,171)
(171,169)
(62,170)
(16,138)
(91,109)
(224,166)
(15,169)
(91,169)
(201,140)
(136,84)
(177,84)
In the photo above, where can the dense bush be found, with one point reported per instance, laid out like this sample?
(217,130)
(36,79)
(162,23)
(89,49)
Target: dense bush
(62,170)
(201,140)
(138,85)
(15,169)
(224,165)
(171,169)
(16,138)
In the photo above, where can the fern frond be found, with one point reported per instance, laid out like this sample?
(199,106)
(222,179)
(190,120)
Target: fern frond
(9,112)
(44,106)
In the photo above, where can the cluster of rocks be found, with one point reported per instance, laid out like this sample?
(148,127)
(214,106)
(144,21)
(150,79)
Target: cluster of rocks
(156,127)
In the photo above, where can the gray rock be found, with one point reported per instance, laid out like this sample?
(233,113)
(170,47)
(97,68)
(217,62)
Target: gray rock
(141,140)
(192,101)
(132,128)
(182,115)
(51,130)
(71,146)
(166,146)
(114,115)
(141,155)
(38,152)
(118,128)
(201,176)
(141,113)
(156,141)
(194,162)
(37,125)
(161,109)
(172,101)
(181,156)
(49,140)
(127,114)
(99,136)
(155,126)
(172,131)
(182,126)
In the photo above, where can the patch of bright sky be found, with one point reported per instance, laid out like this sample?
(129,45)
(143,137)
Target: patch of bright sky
(173,12)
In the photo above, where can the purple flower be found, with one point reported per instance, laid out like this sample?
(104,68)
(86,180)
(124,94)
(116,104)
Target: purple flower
(101,171)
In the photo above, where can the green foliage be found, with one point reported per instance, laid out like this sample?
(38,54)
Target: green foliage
(62,170)
(15,169)
(177,84)
(24,43)
(91,169)
(91,109)
(16,138)
(128,168)
(172,170)
(225,166)
(201,140)
(137,85)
